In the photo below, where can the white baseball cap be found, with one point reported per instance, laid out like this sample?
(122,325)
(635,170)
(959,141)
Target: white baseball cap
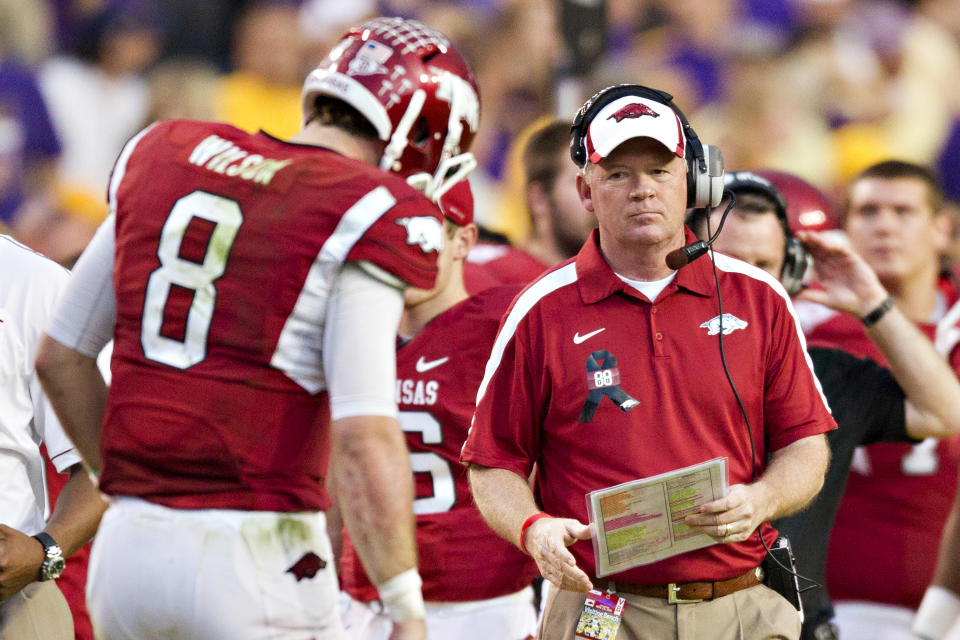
(633,117)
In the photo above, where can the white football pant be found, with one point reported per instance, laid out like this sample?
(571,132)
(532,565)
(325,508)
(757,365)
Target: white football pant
(211,574)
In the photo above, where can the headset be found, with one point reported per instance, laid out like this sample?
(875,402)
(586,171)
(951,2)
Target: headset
(796,259)
(704,162)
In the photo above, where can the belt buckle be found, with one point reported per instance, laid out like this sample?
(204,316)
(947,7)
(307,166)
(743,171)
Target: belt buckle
(672,590)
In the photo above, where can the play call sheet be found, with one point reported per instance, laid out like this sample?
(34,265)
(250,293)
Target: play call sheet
(641,521)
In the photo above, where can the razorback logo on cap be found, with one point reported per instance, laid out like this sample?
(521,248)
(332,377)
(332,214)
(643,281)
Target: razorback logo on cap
(634,110)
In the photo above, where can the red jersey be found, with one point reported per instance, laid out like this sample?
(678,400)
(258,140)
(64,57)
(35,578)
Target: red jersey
(227,245)
(438,372)
(491,264)
(598,386)
(883,547)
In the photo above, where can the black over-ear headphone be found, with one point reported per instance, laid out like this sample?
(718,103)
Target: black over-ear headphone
(795,258)
(704,162)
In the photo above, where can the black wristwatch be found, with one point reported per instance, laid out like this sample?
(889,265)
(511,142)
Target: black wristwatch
(53,562)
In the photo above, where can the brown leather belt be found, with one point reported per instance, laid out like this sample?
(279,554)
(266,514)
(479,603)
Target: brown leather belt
(684,592)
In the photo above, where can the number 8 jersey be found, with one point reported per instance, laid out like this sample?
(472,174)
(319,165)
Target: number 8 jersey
(227,245)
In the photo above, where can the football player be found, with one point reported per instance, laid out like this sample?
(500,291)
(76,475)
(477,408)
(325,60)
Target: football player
(898,497)
(477,585)
(241,276)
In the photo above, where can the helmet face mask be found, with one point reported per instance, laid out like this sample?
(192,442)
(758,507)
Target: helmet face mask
(414,88)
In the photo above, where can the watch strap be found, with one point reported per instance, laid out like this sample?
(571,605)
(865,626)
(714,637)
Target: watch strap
(46,540)
(53,561)
(879,311)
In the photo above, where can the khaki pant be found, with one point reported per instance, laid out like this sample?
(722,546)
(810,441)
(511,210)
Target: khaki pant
(37,612)
(757,613)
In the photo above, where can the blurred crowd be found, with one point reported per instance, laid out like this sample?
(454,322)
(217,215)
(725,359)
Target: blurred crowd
(819,88)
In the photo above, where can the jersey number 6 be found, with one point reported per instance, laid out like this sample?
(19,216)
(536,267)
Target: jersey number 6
(441,477)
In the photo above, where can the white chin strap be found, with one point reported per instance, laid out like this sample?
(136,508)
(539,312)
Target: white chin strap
(399,139)
(448,173)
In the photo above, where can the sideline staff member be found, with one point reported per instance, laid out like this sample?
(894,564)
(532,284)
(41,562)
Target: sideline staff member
(618,305)
(911,400)
(34,542)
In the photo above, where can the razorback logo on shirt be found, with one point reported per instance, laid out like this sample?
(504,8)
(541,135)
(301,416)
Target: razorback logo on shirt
(730,324)
(424,231)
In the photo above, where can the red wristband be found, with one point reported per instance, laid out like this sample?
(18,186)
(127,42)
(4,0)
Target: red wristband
(526,525)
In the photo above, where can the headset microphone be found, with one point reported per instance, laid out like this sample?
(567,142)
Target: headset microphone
(685,255)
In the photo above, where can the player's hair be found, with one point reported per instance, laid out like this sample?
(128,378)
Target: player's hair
(540,163)
(749,203)
(897,169)
(450,227)
(333,112)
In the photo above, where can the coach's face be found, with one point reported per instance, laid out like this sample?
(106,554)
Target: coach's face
(638,194)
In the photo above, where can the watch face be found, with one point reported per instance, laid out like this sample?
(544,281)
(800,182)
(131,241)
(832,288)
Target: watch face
(54,567)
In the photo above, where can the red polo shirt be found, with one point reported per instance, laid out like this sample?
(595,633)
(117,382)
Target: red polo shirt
(580,316)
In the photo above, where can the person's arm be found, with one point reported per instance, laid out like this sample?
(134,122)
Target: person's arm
(67,355)
(75,387)
(74,521)
(370,474)
(940,607)
(506,502)
(790,481)
(929,384)
(335,533)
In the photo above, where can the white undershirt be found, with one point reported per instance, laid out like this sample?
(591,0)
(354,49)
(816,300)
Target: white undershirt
(649,288)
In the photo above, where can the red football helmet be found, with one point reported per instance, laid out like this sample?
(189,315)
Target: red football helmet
(415,89)
(808,209)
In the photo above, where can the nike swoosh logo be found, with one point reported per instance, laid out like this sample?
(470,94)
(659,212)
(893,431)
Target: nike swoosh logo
(423,365)
(577,338)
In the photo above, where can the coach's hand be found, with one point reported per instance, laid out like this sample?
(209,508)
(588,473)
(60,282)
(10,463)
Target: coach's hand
(732,518)
(409,630)
(20,559)
(547,540)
